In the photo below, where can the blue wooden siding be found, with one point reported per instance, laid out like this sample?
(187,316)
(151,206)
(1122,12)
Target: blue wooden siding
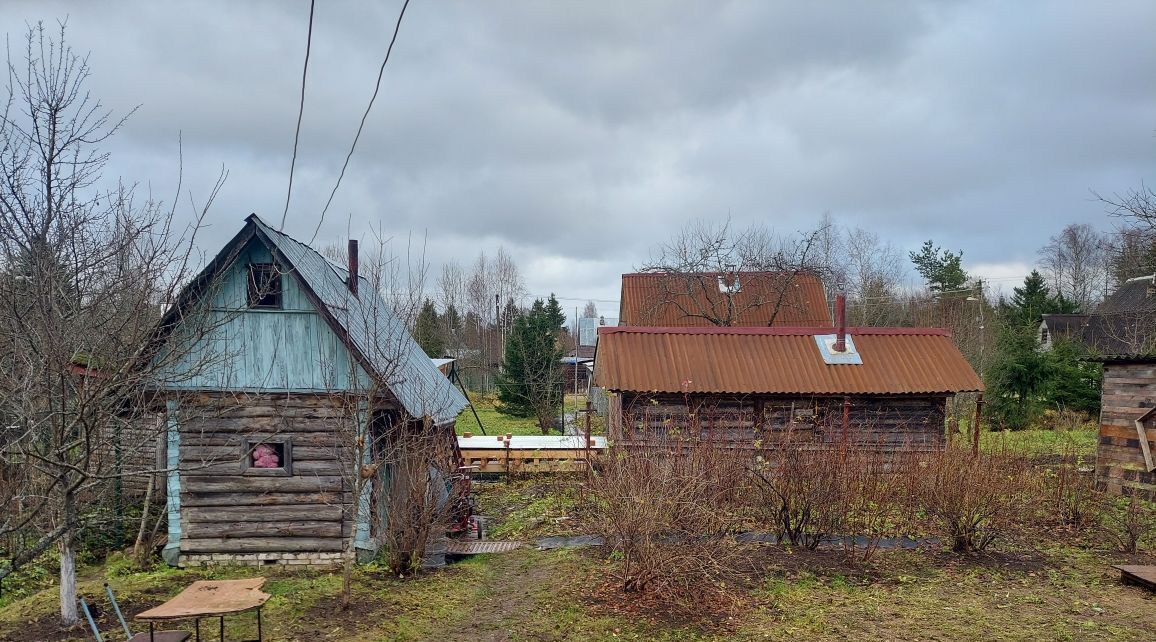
(290,349)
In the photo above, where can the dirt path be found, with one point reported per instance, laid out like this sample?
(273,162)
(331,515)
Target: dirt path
(508,603)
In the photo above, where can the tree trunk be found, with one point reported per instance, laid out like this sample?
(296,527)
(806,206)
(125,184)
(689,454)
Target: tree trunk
(68,613)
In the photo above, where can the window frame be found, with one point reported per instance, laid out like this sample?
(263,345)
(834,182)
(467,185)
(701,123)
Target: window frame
(270,273)
(248,444)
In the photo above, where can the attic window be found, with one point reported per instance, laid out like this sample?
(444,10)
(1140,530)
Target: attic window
(267,457)
(264,286)
(729,284)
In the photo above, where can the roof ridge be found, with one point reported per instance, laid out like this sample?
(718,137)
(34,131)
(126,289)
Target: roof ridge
(775,330)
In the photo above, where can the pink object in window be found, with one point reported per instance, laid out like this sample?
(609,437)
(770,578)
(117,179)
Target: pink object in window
(265,456)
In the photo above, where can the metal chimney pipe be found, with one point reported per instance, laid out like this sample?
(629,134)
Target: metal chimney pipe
(841,319)
(352,281)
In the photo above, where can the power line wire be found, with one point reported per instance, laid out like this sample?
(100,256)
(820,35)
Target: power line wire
(300,113)
(361,126)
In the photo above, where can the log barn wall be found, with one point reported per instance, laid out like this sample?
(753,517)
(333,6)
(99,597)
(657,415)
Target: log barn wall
(229,508)
(891,423)
(1129,391)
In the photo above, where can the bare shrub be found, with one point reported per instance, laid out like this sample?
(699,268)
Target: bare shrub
(973,498)
(1074,498)
(874,485)
(668,515)
(1130,522)
(803,490)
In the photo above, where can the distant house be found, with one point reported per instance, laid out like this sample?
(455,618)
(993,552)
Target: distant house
(885,388)
(283,359)
(576,369)
(746,299)
(1125,323)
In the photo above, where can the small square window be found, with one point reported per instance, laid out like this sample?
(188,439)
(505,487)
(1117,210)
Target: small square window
(267,457)
(264,286)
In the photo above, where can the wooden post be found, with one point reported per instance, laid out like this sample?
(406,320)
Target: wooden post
(846,422)
(975,425)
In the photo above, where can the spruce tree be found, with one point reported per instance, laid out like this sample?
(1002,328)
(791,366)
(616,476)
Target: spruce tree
(530,384)
(427,331)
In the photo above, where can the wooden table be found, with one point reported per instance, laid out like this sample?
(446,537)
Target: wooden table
(211,598)
(1138,575)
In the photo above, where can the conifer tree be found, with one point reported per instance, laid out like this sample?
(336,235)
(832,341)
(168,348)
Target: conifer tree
(427,331)
(530,384)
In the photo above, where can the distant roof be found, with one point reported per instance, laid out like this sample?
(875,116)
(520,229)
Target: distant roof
(779,361)
(660,299)
(1122,327)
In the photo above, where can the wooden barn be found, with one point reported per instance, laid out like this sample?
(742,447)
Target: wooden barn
(749,386)
(279,365)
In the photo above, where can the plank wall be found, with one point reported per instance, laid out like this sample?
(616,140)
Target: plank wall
(882,422)
(1129,392)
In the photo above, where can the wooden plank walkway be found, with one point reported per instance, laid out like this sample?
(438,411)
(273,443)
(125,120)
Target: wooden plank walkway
(528,453)
(1144,576)
(477,546)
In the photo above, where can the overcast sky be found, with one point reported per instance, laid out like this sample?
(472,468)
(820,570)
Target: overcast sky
(579,134)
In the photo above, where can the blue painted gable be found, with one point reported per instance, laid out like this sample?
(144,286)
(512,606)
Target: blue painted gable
(225,345)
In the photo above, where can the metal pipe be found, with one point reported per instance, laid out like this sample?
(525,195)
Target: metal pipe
(975,428)
(353,267)
(119,615)
(841,320)
(91,622)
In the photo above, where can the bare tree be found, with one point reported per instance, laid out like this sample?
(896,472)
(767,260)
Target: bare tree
(590,310)
(699,264)
(83,275)
(873,275)
(1075,263)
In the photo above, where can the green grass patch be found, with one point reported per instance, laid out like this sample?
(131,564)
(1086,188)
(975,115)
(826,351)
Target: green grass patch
(1042,442)
(494,422)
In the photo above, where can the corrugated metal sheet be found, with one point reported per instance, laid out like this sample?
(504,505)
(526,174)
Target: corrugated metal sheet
(680,300)
(778,361)
(375,332)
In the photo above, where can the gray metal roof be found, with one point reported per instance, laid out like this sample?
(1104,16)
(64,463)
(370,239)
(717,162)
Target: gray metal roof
(374,331)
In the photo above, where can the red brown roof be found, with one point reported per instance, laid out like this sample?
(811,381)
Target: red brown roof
(779,361)
(657,299)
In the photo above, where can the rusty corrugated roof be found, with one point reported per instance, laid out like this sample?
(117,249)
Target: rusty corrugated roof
(779,361)
(658,299)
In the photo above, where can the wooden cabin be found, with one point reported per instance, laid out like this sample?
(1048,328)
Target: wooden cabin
(884,388)
(274,365)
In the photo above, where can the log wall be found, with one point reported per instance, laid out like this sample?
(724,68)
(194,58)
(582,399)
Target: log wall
(227,508)
(1129,391)
(888,423)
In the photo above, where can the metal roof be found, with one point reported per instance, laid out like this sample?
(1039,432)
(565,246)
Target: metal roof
(779,361)
(374,332)
(659,299)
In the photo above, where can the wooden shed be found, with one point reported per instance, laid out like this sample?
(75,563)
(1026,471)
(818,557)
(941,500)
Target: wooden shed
(1126,454)
(885,388)
(276,362)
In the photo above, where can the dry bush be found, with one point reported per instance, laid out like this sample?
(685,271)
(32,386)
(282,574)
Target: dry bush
(973,498)
(1072,491)
(1130,522)
(804,493)
(668,515)
(876,506)
(809,494)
